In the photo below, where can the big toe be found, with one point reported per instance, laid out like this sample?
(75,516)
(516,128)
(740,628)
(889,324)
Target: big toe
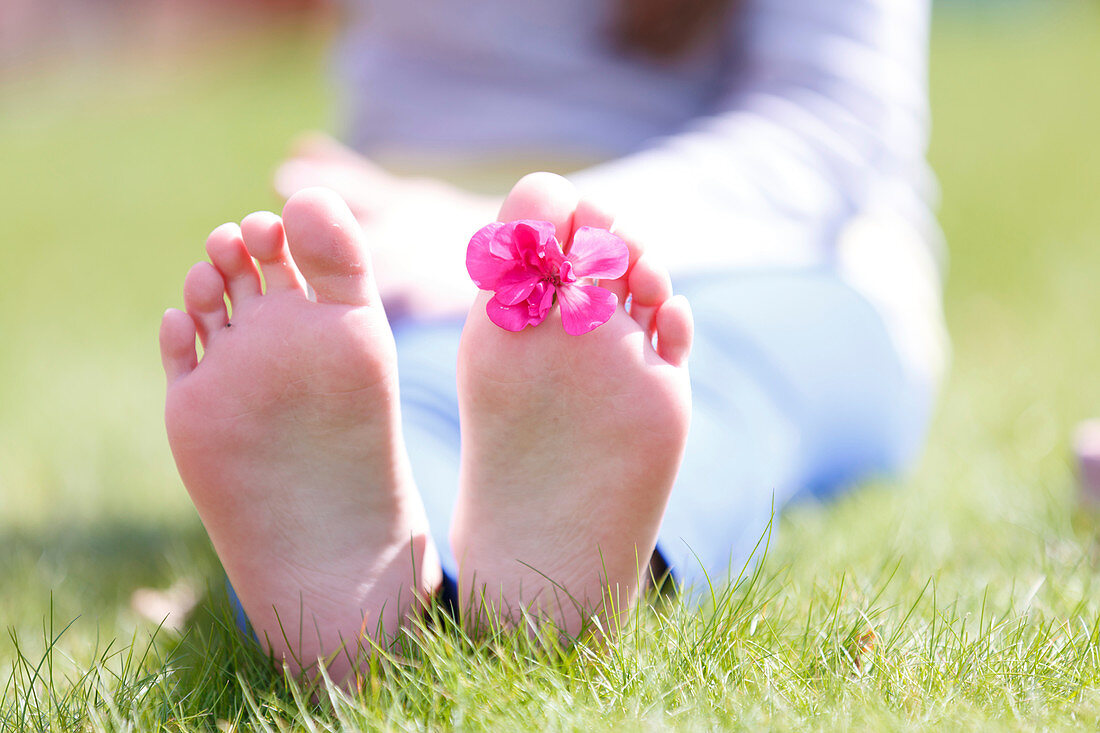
(543,197)
(328,246)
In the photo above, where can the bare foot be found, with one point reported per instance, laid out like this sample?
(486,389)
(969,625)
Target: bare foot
(287,433)
(570,444)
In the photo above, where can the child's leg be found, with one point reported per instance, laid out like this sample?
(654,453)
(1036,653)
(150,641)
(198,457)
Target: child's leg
(797,389)
(287,433)
(426,355)
(570,444)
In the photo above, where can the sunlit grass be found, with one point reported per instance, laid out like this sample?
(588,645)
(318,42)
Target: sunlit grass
(965,597)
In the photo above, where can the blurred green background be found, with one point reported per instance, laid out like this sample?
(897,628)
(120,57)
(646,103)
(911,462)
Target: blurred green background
(113,169)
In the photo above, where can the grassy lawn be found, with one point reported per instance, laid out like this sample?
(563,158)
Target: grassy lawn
(966,596)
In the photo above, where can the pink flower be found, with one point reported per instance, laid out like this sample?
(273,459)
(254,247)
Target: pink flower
(523,264)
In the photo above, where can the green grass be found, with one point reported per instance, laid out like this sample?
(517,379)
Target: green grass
(977,576)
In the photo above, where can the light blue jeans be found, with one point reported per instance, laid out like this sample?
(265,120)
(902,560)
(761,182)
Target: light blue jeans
(797,390)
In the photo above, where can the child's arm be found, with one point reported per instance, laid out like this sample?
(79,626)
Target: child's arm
(824,114)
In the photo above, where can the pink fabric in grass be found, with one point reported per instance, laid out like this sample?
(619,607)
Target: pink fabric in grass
(522,263)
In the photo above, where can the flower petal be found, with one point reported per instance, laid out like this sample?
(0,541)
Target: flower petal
(509,317)
(504,243)
(566,274)
(535,245)
(540,302)
(598,253)
(486,269)
(585,307)
(532,235)
(512,291)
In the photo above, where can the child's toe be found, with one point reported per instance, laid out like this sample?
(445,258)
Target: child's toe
(177,344)
(328,246)
(542,197)
(204,298)
(226,250)
(265,240)
(675,330)
(650,286)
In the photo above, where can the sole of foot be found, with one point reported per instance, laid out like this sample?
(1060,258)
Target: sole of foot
(287,434)
(570,444)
